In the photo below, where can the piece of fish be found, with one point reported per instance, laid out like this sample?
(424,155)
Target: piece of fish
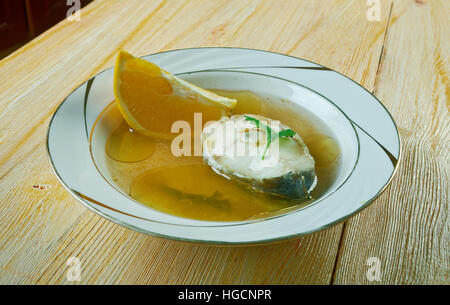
(237,148)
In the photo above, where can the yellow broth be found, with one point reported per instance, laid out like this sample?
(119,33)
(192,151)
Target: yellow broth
(146,170)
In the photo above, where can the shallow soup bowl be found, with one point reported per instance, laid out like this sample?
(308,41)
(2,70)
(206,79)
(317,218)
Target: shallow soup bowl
(77,154)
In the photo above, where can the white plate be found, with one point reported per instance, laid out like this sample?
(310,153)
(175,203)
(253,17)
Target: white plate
(365,130)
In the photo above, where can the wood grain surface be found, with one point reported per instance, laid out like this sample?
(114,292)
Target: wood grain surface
(402,58)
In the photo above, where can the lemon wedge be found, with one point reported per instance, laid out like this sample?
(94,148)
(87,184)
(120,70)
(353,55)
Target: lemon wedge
(151,99)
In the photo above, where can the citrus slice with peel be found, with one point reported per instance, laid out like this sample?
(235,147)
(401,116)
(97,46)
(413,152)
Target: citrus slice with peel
(151,99)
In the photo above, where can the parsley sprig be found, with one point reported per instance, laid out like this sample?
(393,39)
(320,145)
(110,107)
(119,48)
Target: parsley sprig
(270,134)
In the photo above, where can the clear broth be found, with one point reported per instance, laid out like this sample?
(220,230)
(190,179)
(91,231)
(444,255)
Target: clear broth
(146,170)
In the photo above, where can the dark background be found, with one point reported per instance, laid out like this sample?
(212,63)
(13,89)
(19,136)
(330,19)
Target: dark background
(22,20)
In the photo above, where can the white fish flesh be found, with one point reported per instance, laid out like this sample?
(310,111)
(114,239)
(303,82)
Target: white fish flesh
(237,148)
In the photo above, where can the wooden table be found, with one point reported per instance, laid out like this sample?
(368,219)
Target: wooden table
(402,59)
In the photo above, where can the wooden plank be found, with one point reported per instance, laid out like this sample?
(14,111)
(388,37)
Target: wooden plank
(42,228)
(407,228)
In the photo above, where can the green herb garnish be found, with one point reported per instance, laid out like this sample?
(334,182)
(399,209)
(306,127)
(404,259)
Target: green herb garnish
(270,134)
